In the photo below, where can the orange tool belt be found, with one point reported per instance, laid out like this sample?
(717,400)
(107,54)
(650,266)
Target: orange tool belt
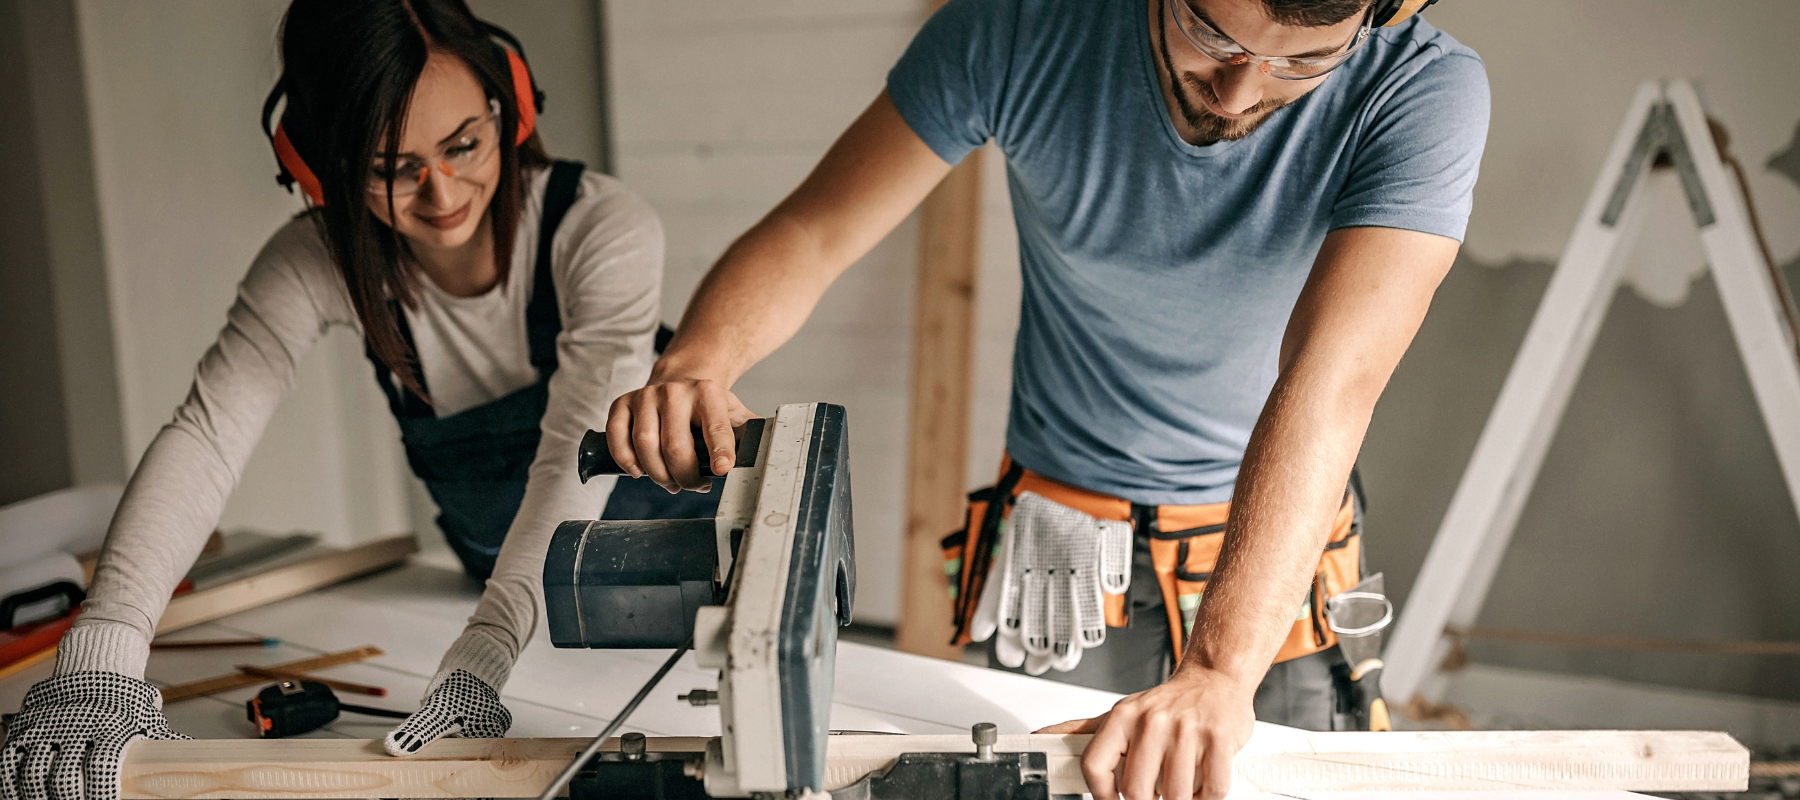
(1184,547)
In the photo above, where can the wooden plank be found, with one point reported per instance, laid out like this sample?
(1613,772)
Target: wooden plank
(284,582)
(943,363)
(237,680)
(1277,760)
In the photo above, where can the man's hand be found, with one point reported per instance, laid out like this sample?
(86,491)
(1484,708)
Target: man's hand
(650,431)
(1174,741)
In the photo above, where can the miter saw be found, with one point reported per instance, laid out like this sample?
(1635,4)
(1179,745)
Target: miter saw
(760,592)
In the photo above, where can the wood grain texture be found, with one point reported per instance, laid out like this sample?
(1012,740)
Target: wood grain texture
(239,680)
(284,582)
(943,363)
(1288,761)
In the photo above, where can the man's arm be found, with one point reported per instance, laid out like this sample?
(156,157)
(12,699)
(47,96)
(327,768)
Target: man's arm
(762,290)
(1366,296)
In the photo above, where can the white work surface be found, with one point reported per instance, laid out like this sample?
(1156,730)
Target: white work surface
(413,613)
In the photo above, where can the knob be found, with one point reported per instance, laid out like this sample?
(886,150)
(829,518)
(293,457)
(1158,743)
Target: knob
(700,697)
(985,735)
(633,746)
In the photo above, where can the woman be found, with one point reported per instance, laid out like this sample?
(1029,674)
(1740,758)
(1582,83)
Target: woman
(504,301)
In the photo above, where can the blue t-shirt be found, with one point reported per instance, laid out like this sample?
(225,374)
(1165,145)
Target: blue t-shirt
(1159,276)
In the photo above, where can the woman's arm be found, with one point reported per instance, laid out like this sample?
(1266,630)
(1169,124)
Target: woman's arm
(180,486)
(608,262)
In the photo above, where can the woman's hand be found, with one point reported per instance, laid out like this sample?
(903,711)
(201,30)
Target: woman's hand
(1173,741)
(650,431)
(68,740)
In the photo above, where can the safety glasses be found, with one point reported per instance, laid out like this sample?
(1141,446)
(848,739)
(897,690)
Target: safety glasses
(469,149)
(1219,47)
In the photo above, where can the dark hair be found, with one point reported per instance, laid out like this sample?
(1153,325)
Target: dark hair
(349,68)
(1313,13)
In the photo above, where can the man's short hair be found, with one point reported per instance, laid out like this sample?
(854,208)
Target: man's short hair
(1313,13)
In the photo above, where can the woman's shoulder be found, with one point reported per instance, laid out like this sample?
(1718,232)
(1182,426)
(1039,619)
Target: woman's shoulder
(607,223)
(295,265)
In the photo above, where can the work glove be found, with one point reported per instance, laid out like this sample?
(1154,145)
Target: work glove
(458,704)
(1045,601)
(68,740)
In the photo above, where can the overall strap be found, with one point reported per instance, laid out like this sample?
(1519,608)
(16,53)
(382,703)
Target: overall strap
(543,317)
(403,401)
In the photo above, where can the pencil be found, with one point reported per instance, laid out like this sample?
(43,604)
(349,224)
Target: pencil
(199,644)
(290,675)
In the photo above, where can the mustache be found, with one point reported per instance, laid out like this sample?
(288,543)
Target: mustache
(1204,88)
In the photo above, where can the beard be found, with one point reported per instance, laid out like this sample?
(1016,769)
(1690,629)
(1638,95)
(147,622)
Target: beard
(1209,127)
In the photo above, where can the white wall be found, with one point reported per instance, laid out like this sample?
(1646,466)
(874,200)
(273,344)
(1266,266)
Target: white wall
(720,110)
(1660,509)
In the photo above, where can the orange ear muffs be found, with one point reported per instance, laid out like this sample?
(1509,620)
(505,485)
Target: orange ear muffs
(1389,13)
(527,95)
(294,168)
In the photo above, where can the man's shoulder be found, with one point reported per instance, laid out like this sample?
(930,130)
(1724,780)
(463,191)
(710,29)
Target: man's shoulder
(1418,48)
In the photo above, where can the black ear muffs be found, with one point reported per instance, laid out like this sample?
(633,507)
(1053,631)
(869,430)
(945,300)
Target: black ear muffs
(1389,13)
(293,140)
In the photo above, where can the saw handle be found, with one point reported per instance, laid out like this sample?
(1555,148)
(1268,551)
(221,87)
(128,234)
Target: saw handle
(595,458)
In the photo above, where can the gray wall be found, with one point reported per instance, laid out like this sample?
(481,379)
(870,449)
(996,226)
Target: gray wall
(34,457)
(1660,510)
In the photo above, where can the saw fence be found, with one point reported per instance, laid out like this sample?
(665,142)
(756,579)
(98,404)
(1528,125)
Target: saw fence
(1286,761)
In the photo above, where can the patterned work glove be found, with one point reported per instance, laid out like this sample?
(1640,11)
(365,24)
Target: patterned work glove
(460,705)
(68,741)
(1055,566)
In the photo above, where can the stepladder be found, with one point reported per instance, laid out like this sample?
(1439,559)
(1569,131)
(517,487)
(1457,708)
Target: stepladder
(1665,125)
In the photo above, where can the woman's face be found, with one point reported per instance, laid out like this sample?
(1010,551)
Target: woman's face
(448,162)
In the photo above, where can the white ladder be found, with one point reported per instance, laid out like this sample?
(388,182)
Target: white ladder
(1664,120)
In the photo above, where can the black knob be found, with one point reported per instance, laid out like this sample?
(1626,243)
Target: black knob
(633,746)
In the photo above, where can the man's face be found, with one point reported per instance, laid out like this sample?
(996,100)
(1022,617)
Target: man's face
(1220,101)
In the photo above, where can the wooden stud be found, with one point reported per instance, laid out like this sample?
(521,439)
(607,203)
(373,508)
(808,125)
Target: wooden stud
(1277,760)
(282,583)
(943,364)
(238,680)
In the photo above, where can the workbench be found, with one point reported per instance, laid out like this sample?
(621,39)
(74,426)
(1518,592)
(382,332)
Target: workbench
(415,611)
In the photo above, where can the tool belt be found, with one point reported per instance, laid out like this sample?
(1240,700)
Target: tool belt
(1184,547)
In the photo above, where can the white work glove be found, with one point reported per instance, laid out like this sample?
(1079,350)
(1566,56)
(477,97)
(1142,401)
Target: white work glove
(68,740)
(460,704)
(1045,596)
(464,698)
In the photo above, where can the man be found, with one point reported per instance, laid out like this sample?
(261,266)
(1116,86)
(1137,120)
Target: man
(1232,217)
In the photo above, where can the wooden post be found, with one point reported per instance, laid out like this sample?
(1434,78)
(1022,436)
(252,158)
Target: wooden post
(943,364)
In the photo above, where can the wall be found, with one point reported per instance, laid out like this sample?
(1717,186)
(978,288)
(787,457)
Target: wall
(721,109)
(1660,509)
(35,455)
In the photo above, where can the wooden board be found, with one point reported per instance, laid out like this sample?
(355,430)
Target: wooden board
(943,365)
(284,582)
(1291,761)
(238,680)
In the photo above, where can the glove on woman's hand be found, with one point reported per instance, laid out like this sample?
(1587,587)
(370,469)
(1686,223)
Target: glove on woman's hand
(461,704)
(68,740)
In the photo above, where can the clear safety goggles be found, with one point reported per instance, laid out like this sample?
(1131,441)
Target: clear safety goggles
(1219,47)
(469,150)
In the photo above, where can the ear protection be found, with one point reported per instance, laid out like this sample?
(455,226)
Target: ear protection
(1389,13)
(291,137)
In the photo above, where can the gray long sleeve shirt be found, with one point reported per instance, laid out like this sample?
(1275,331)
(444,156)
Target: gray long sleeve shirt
(607,264)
